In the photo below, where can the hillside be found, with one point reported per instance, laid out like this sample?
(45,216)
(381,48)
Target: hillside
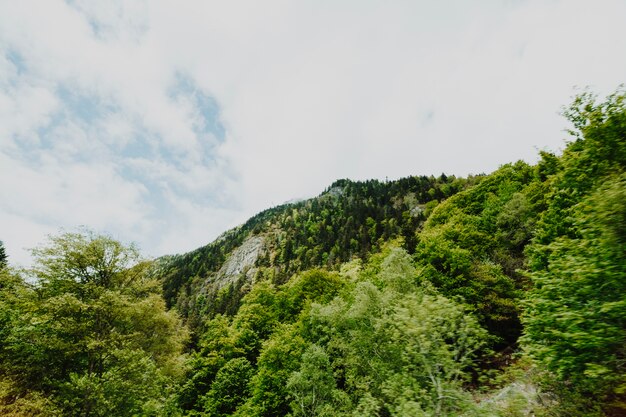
(348,220)
(500,295)
(401,298)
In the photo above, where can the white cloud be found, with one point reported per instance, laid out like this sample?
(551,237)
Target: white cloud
(51,194)
(24,108)
(308,92)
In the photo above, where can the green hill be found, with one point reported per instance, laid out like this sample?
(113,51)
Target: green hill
(404,297)
(499,295)
(348,220)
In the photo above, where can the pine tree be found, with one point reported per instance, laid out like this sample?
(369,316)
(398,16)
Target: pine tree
(3,256)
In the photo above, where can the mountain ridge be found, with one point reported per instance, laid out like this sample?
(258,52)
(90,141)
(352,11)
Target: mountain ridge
(297,235)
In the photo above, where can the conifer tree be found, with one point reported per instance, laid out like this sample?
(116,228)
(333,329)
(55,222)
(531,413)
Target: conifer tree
(3,256)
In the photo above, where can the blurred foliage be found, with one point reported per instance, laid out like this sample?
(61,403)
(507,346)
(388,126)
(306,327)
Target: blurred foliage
(472,247)
(575,316)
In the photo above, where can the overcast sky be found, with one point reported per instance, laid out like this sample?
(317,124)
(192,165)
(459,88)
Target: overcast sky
(166,123)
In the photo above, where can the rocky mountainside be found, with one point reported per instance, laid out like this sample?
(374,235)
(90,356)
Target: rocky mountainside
(350,219)
(501,295)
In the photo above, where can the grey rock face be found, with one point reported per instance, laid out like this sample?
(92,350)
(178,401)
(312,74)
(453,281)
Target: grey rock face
(241,260)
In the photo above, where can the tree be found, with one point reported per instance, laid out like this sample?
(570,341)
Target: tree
(313,387)
(575,319)
(576,314)
(279,358)
(229,388)
(472,246)
(3,256)
(403,350)
(93,333)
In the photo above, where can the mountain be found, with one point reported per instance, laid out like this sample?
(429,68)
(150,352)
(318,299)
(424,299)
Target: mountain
(494,295)
(349,219)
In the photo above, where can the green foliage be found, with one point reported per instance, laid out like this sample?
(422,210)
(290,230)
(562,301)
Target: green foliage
(278,359)
(229,388)
(256,319)
(575,314)
(217,346)
(377,340)
(401,349)
(472,247)
(313,387)
(15,403)
(128,385)
(3,256)
(92,334)
(315,285)
(350,219)
(598,151)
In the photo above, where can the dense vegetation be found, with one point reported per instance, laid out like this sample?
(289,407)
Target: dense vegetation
(496,295)
(86,333)
(350,219)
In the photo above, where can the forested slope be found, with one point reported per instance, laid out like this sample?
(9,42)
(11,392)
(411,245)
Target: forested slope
(533,251)
(497,295)
(349,219)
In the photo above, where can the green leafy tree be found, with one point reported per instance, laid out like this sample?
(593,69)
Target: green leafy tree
(16,399)
(400,350)
(575,314)
(279,358)
(313,387)
(92,332)
(256,319)
(472,246)
(302,289)
(217,346)
(229,389)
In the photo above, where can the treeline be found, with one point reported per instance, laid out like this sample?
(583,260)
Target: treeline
(352,219)
(575,313)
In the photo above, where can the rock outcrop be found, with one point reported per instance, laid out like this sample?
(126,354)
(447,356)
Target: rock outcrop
(241,261)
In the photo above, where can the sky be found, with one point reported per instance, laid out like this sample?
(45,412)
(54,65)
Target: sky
(165,123)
